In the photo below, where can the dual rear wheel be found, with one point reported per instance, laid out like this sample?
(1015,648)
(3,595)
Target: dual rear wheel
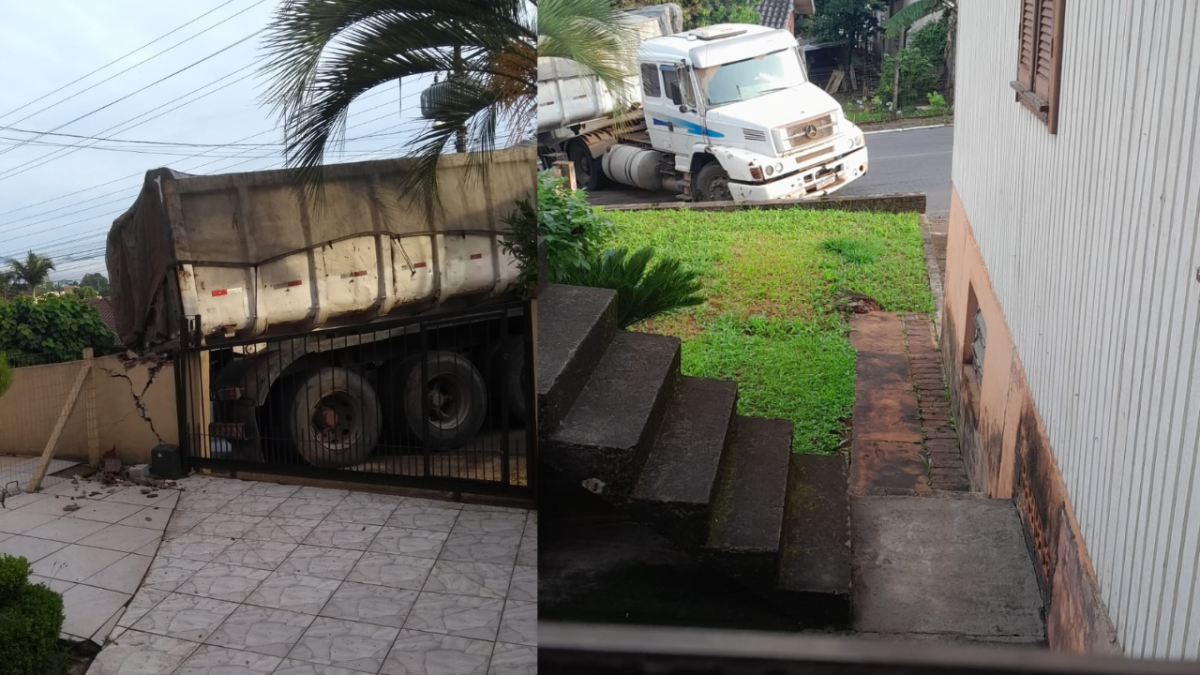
(335,416)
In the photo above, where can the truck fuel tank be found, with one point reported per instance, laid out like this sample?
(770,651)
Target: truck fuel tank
(633,166)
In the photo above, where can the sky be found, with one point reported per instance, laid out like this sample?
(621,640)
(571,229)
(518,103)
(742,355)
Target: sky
(198,85)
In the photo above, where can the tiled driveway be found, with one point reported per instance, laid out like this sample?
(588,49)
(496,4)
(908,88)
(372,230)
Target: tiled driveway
(96,555)
(262,578)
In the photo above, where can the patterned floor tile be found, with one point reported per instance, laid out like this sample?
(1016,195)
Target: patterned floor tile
(262,555)
(424,518)
(209,660)
(458,615)
(282,530)
(485,580)
(194,547)
(343,535)
(524,584)
(370,604)
(519,625)
(419,653)
(498,549)
(261,630)
(347,644)
(232,583)
(167,574)
(139,653)
(396,571)
(404,541)
(513,660)
(318,561)
(293,592)
(186,617)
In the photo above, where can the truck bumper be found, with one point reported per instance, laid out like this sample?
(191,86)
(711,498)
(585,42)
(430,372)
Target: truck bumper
(815,181)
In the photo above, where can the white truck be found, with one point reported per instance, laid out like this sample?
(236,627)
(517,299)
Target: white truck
(275,289)
(724,112)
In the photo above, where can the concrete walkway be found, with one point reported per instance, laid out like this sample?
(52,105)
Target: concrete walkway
(94,554)
(260,578)
(931,560)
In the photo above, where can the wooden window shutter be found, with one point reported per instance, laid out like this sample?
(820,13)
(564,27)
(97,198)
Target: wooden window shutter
(1039,58)
(1029,33)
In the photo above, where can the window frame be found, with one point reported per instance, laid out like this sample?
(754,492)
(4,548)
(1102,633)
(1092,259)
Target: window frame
(656,80)
(1043,104)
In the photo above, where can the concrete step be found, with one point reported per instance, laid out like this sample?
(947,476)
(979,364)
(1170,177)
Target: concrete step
(746,514)
(575,326)
(814,558)
(607,433)
(676,483)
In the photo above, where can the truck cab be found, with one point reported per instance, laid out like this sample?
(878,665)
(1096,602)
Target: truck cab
(731,110)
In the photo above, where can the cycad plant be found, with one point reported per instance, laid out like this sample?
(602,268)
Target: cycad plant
(6,373)
(644,291)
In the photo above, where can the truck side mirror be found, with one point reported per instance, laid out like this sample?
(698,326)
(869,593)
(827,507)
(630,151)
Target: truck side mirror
(676,95)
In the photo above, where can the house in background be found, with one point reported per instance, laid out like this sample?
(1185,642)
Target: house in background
(1071,324)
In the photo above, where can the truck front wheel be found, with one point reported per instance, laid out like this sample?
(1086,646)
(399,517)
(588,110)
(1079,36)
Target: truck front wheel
(457,400)
(335,418)
(712,184)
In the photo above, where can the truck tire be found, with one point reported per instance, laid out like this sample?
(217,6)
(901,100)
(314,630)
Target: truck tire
(457,398)
(589,171)
(334,417)
(512,376)
(712,184)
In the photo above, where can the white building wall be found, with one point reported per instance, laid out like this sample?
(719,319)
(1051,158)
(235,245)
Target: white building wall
(1091,241)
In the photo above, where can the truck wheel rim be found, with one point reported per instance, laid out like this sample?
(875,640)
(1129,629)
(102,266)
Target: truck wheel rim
(718,189)
(335,420)
(448,403)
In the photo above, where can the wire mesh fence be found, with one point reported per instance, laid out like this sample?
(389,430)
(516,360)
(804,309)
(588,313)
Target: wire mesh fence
(437,402)
(31,408)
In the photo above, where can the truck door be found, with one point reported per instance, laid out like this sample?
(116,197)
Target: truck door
(678,112)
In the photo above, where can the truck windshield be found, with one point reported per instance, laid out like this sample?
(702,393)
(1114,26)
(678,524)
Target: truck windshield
(750,78)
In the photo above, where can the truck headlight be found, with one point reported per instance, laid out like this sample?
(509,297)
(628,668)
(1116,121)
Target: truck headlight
(779,167)
(769,169)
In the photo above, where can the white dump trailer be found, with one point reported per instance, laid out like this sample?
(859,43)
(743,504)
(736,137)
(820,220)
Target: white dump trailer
(244,260)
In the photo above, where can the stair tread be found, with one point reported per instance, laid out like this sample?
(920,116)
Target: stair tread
(575,325)
(747,510)
(621,397)
(815,555)
(683,462)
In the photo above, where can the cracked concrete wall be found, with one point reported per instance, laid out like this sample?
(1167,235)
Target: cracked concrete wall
(135,408)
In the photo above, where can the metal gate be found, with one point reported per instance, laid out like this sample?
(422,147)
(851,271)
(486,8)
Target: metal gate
(442,402)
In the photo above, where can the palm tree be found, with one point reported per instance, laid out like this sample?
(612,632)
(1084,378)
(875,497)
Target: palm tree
(904,19)
(324,54)
(33,271)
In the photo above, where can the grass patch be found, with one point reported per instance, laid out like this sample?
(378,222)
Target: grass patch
(772,279)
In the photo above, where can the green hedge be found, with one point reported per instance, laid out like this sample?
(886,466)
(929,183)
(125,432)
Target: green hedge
(31,618)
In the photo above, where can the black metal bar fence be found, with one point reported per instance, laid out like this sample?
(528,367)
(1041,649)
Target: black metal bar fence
(443,402)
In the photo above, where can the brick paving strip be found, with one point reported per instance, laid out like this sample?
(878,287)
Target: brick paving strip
(902,439)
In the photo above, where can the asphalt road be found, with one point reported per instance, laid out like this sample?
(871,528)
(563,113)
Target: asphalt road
(908,160)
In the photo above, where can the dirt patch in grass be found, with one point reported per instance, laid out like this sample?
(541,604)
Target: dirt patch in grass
(773,280)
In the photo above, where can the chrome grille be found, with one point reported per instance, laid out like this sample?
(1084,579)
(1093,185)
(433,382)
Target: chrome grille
(754,134)
(811,131)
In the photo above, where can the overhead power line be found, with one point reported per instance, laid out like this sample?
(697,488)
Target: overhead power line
(135,175)
(150,58)
(152,84)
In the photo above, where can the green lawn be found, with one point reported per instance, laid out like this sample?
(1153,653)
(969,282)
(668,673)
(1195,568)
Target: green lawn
(773,279)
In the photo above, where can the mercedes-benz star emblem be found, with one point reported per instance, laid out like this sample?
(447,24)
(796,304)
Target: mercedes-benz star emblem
(810,131)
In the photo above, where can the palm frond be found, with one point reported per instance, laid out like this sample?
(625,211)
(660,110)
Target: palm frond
(590,33)
(905,18)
